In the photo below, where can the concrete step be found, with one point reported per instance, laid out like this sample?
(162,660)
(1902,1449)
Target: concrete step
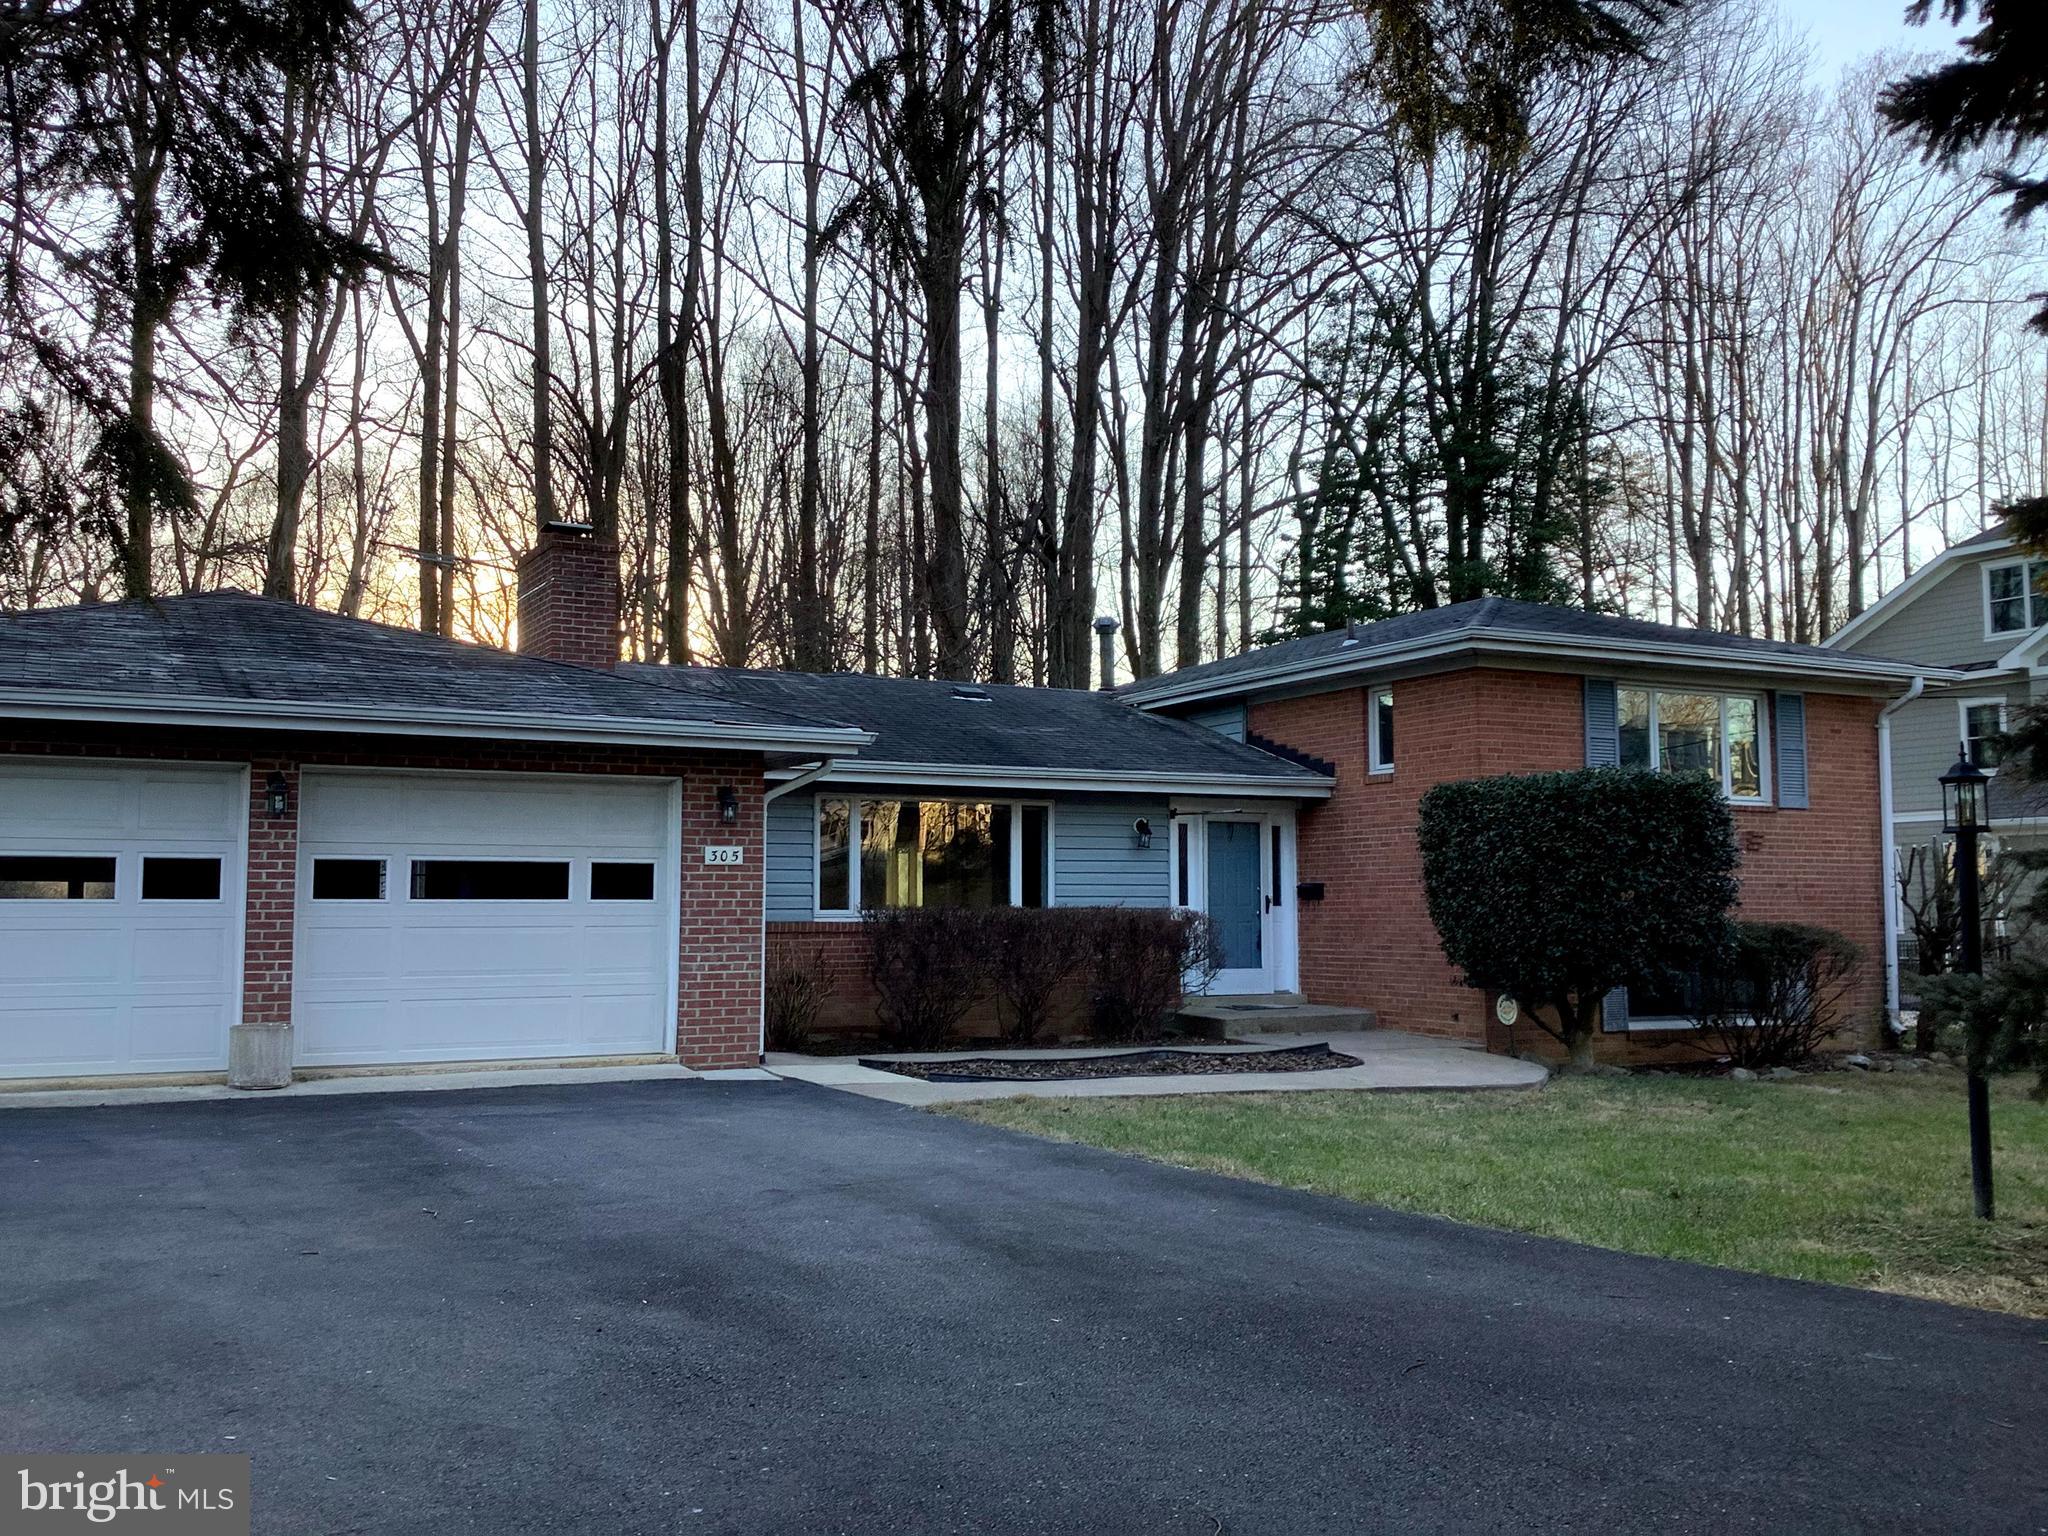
(1273,1013)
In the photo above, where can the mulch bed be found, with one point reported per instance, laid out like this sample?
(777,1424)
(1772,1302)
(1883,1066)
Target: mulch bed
(1053,1069)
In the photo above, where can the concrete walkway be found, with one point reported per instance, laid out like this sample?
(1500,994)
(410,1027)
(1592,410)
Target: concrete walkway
(1389,1060)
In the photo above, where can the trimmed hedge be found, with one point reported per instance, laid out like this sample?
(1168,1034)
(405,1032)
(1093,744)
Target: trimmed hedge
(1556,888)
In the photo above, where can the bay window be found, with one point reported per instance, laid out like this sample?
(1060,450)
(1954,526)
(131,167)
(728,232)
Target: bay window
(1718,734)
(932,853)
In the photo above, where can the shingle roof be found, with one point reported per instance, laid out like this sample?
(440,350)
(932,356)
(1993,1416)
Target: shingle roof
(1505,623)
(233,654)
(1057,730)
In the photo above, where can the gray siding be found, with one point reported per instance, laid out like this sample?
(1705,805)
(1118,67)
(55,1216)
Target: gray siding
(1943,625)
(791,881)
(1096,861)
(1223,719)
(1926,734)
(1095,858)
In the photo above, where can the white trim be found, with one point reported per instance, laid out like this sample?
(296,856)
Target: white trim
(1007,783)
(1372,728)
(1764,795)
(1887,872)
(851,913)
(1880,610)
(241,714)
(1965,705)
(1525,644)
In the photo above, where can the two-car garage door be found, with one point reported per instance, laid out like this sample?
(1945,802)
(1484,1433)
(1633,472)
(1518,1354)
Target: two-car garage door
(440,917)
(462,917)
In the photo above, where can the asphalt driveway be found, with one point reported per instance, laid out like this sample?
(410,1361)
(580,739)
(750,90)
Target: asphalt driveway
(765,1307)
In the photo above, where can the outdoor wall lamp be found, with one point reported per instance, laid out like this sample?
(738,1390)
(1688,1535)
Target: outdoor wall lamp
(277,795)
(728,804)
(1141,830)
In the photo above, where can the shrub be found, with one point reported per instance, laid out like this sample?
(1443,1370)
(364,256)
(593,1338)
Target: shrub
(1776,993)
(1031,952)
(1997,1023)
(794,993)
(1556,888)
(1144,960)
(928,965)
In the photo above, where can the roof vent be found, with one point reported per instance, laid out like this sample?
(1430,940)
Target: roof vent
(972,694)
(1351,632)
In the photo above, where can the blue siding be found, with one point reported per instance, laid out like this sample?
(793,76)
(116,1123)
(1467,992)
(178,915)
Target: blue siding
(791,882)
(1096,861)
(1224,720)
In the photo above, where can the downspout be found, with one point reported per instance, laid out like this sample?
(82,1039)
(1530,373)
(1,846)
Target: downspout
(1888,874)
(809,775)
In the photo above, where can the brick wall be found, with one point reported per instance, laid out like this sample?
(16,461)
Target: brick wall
(1370,942)
(569,599)
(718,1016)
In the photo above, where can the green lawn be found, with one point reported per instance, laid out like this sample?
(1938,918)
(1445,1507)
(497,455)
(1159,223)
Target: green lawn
(1861,1180)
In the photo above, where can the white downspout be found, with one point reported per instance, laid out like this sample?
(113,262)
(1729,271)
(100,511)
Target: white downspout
(809,775)
(1889,873)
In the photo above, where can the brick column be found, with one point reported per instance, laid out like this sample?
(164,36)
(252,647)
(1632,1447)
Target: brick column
(272,896)
(718,996)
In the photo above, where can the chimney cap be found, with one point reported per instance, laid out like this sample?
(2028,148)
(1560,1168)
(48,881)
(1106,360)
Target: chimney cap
(1105,625)
(568,529)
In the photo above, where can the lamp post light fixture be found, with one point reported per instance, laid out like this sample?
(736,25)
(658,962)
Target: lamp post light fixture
(1966,816)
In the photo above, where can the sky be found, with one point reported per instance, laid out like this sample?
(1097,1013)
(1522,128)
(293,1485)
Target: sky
(1845,30)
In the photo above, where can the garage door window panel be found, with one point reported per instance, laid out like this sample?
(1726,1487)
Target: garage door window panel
(490,879)
(56,877)
(617,880)
(348,880)
(180,879)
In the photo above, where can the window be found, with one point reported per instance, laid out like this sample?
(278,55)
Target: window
(166,879)
(1720,735)
(1381,730)
(932,853)
(622,882)
(490,880)
(1983,724)
(56,877)
(348,879)
(2015,596)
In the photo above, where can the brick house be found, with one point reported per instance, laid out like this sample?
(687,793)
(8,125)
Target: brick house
(223,813)
(1496,686)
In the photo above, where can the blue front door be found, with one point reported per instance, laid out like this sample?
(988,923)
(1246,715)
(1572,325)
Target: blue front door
(1237,900)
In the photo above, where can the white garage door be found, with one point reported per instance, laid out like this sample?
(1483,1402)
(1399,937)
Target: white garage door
(120,917)
(464,917)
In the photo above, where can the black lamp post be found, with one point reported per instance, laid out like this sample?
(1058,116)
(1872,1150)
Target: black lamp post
(1966,816)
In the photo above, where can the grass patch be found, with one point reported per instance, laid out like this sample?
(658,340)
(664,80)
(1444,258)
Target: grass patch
(1854,1179)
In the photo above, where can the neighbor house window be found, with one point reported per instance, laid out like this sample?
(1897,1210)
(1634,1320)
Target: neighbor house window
(1718,734)
(2015,596)
(1983,725)
(932,853)
(1381,730)
(56,877)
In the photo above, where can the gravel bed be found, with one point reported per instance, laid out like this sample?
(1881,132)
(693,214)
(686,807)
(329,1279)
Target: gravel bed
(1053,1069)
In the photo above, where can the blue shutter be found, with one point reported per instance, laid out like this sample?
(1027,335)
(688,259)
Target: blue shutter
(1614,1012)
(1603,724)
(1789,734)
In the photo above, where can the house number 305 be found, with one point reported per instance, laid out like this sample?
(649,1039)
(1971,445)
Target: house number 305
(724,853)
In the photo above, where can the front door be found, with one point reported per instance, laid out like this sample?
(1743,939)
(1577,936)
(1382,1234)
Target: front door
(1237,900)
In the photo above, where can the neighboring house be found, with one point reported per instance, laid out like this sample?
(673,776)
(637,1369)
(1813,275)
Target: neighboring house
(223,810)
(1976,616)
(1496,686)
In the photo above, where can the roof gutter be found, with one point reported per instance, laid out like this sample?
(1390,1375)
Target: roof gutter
(242,714)
(1302,786)
(1523,643)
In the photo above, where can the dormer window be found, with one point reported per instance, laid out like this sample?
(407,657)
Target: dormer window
(2015,596)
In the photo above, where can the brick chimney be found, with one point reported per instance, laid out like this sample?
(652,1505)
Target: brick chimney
(569,597)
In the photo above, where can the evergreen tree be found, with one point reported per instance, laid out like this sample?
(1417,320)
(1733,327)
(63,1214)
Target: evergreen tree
(149,168)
